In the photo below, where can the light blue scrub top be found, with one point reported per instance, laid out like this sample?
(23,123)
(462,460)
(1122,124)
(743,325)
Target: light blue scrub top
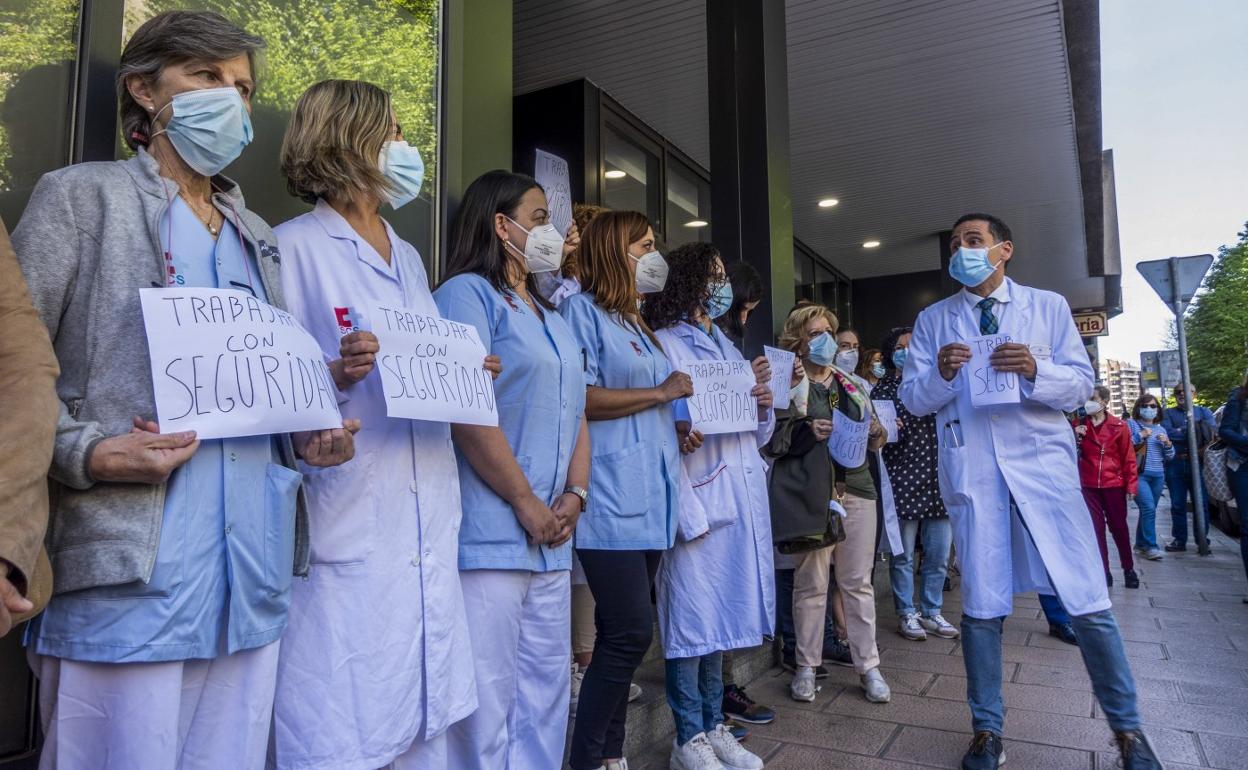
(541,400)
(221,582)
(636,462)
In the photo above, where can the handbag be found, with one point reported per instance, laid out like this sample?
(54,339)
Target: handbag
(1216,472)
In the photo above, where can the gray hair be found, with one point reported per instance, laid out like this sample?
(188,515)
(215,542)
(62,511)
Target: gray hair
(170,38)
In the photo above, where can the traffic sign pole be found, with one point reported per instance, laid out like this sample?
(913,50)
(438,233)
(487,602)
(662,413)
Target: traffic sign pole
(1197,485)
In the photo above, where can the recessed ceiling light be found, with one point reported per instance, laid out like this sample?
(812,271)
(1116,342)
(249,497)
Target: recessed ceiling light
(697,223)
(615,173)
(871,244)
(828,203)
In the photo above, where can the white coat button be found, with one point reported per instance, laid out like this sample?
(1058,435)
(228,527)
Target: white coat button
(415,560)
(996,418)
(412,486)
(1000,507)
(233,457)
(228,530)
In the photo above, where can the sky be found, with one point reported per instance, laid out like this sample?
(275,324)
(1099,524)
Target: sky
(1174,78)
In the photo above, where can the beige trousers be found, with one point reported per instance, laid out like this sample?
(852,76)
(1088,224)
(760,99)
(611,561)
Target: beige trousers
(810,603)
(852,560)
(583,631)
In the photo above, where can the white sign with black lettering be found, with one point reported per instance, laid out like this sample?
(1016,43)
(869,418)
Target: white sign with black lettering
(225,364)
(848,442)
(781,362)
(721,400)
(988,386)
(886,412)
(431,368)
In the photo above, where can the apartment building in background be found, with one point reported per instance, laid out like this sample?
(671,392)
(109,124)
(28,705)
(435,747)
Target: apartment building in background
(1124,383)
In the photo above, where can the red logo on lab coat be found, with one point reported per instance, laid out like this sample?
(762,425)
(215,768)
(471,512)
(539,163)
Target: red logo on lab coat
(637,348)
(346,320)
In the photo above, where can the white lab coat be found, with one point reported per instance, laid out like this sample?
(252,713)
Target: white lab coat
(1025,451)
(717,592)
(377,652)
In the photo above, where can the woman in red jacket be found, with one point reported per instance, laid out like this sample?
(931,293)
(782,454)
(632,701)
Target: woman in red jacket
(1108,472)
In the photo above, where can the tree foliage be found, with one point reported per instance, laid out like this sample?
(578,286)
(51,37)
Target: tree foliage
(1217,325)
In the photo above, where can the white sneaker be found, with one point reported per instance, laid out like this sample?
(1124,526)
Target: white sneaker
(803,687)
(634,692)
(697,754)
(909,627)
(578,675)
(938,625)
(875,688)
(1154,554)
(615,764)
(730,753)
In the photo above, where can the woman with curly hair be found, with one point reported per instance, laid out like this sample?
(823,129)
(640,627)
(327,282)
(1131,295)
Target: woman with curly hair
(715,586)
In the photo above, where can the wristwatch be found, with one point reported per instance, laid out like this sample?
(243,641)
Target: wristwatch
(580,492)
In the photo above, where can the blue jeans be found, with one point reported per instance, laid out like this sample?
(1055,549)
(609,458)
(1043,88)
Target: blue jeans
(784,612)
(1239,485)
(1103,656)
(1150,494)
(1179,482)
(1054,612)
(937,536)
(695,691)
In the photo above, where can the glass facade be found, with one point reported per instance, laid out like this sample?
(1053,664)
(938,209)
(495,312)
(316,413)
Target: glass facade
(631,173)
(688,205)
(817,281)
(38,57)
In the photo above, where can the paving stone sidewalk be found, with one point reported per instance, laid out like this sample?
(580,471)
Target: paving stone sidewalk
(1186,631)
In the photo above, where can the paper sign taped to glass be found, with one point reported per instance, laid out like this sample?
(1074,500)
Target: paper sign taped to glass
(225,364)
(431,368)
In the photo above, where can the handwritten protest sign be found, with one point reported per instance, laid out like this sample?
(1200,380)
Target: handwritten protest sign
(431,368)
(551,172)
(225,364)
(988,386)
(781,362)
(721,400)
(848,442)
(886,411)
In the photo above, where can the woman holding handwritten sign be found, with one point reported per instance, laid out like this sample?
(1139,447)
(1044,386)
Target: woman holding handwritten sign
(631,517)
(523,483)
(379,627)
(715,587)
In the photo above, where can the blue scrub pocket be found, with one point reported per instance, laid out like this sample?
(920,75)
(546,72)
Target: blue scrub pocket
(281,489)
(622,482)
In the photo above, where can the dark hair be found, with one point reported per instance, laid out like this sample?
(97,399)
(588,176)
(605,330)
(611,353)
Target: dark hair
(1000,230)
(172,38)
(690,269)
(1103,392)
(889,346)
(747,287)
(474,246)
(1145,399)
(864,362)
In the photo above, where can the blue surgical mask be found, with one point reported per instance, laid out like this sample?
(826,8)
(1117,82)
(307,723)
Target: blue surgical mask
(209,128)
(878,370)
(847,360)
(1148,413)
(970,267)
(822,350)
(403,167)
(899,358)
(720,300)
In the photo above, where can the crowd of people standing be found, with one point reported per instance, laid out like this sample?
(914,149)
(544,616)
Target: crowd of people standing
(411,594)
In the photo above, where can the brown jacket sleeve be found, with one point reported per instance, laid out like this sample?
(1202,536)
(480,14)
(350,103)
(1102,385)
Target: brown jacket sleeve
(28,413)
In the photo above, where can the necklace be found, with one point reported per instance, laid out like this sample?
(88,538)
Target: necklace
(213,230)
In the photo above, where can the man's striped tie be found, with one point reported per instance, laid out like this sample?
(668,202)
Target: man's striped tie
(987,321)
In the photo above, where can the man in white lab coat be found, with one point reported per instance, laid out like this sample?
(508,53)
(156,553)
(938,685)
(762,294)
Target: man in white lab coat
(999,363)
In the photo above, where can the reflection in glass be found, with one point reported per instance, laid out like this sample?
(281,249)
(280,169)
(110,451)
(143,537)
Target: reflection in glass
(392,44)
(825,287)
(631,176)
(688,205)
(803,276)
(37,39)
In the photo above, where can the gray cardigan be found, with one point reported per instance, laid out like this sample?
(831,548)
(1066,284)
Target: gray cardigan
(89,239)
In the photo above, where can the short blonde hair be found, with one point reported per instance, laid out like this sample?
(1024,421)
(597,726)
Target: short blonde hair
(334,140)
(794,333)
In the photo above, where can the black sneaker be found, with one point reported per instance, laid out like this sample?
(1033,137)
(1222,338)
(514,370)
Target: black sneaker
(1130,579)
(1064,631)
(1136,751)
(1174,547)
(985,752)
(741,708)
(837,651)
(788,661)
(739,731)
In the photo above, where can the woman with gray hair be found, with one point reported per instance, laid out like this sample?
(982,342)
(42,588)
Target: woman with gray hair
(172,555)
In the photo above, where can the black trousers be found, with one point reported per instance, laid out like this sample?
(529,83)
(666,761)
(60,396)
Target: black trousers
(620,582)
